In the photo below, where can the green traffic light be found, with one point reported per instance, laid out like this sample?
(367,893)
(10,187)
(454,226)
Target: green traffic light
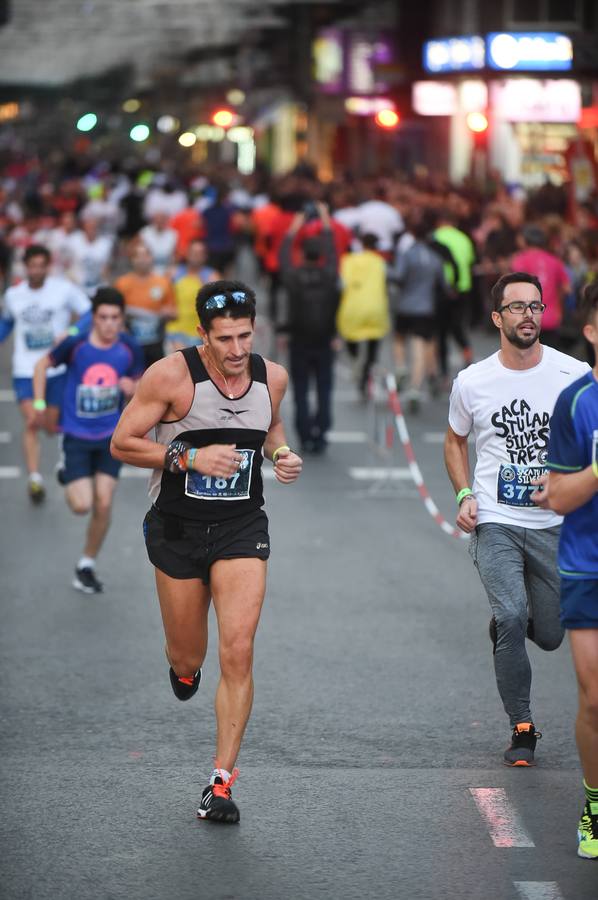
(87,122)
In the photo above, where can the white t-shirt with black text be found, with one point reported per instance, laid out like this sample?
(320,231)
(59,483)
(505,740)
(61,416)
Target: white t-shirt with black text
(509,412)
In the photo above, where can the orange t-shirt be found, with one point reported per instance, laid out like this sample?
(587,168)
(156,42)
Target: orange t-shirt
(152,293)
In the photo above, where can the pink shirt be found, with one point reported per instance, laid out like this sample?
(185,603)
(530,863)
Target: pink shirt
(553,277)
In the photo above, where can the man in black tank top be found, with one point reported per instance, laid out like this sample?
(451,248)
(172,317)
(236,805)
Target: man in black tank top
(215,413)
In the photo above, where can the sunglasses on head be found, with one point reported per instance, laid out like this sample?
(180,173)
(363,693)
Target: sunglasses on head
(219,301)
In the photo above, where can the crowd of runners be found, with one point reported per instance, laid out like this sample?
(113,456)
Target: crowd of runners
(133,342)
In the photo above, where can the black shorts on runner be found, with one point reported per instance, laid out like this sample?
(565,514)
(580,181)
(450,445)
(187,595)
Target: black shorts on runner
(420,326)
(182,548)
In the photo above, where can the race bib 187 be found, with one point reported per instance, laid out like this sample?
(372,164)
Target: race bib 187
(207,487)
(514,485)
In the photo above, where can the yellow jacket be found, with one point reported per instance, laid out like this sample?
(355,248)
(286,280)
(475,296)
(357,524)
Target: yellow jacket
(363,310)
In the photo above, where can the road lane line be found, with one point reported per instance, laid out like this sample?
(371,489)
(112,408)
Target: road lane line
(10,472)
(135,472)
(347,437)
(5,437)
(6,395)
(380,474)
(502,819)
(538,890)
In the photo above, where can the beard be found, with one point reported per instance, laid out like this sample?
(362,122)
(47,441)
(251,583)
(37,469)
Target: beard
(520,341)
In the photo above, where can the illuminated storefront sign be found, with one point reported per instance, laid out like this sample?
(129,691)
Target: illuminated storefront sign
(434,98)
(533,100)
(364,53)
(349,62)
(444,98)
(328,60)
(367,106)
(458,54)
(544,50)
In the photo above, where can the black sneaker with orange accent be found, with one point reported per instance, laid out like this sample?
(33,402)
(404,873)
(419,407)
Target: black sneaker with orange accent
(217,804)
(523,744)
(184,688)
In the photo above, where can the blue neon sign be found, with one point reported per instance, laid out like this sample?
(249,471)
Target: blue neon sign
(457,54)
(548,51)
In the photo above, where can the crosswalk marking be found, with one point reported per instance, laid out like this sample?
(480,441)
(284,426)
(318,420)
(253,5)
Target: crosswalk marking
(379,473)
(347,437)
(502,819)
(6,395)
(538,890)
(9,472)
(5,437)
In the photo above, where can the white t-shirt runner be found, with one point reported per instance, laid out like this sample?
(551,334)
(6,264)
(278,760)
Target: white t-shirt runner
(509,412)
(41,316)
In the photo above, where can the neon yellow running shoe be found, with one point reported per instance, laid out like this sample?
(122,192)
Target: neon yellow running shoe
(587,831)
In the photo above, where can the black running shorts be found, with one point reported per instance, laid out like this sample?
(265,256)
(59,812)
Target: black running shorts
(182,548)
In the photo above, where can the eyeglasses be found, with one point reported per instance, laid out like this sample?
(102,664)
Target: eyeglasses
(519,307)
(219,301)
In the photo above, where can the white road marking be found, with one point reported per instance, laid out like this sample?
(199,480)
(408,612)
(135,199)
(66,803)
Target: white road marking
(380,474)
(10,472)
(135,472)
(502,819)
(5,437)
(347,437)
(6,395)
(538,890)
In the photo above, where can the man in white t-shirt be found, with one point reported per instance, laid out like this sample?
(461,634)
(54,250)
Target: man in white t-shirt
(40,309)
(89,256)
(377,216)
(507,400)
(161,240)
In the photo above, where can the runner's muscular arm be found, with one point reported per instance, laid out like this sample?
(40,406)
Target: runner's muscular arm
(146,408)
(288,464)
(456,460)
(568,491)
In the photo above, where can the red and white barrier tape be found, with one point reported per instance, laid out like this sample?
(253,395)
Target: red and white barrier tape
(394,405)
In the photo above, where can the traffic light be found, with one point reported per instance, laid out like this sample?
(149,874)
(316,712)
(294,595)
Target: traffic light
(387,118)
(224,118)
(477,122)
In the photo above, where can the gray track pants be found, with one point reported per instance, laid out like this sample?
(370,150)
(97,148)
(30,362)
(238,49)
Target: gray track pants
(518,568)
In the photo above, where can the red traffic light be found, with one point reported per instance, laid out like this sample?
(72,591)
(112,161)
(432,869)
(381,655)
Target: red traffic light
(224,118)
(477,122)
(387,118)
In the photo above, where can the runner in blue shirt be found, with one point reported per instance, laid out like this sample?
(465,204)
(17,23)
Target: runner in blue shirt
(101,370)
(573,492)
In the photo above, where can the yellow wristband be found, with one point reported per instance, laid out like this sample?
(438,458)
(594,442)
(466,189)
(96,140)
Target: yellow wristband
(279,450)
(39,405)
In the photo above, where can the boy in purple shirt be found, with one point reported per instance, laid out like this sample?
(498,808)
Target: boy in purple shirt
(101,370)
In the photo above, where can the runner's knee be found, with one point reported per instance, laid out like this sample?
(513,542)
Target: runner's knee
(510,628)
(236,657)
(184,663)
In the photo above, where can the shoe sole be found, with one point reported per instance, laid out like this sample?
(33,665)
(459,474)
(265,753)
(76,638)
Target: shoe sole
(218,820)
(519,764)
(79,586)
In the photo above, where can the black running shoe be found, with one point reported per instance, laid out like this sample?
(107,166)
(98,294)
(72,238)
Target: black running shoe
(85,580)
(216,802)
(37,492)
(523,744)
(184,688)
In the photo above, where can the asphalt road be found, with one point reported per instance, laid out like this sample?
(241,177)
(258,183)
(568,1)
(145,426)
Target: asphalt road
(372,763)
